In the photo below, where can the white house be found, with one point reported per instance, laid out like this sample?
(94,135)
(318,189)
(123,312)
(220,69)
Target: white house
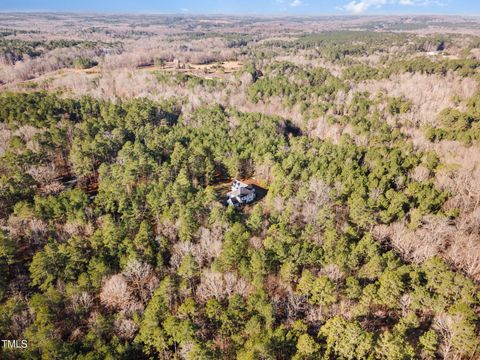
(241,193)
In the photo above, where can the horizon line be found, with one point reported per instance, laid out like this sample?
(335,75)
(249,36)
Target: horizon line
(232,14)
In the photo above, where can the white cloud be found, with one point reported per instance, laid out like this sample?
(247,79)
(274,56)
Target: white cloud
(360,6)
(291,3)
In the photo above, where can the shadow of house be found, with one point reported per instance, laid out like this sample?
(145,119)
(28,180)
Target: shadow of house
(259,191)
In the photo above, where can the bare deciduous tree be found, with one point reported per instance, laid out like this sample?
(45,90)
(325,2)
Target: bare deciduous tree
(141,280)
(115,292)
(221,286)
(45,175)
(81,302)
(125,328)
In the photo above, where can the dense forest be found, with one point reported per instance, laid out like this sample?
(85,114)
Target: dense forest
(116,242)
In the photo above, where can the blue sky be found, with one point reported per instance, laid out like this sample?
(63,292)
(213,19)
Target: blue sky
(286,7)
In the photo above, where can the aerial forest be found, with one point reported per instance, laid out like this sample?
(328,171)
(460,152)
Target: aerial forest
(119,145)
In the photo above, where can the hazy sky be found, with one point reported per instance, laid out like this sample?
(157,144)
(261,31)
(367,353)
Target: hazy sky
(309,7)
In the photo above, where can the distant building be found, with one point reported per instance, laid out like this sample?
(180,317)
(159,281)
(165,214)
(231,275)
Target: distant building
(241,193)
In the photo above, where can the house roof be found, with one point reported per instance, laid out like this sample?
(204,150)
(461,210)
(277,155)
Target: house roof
(243,191)
(240,183)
